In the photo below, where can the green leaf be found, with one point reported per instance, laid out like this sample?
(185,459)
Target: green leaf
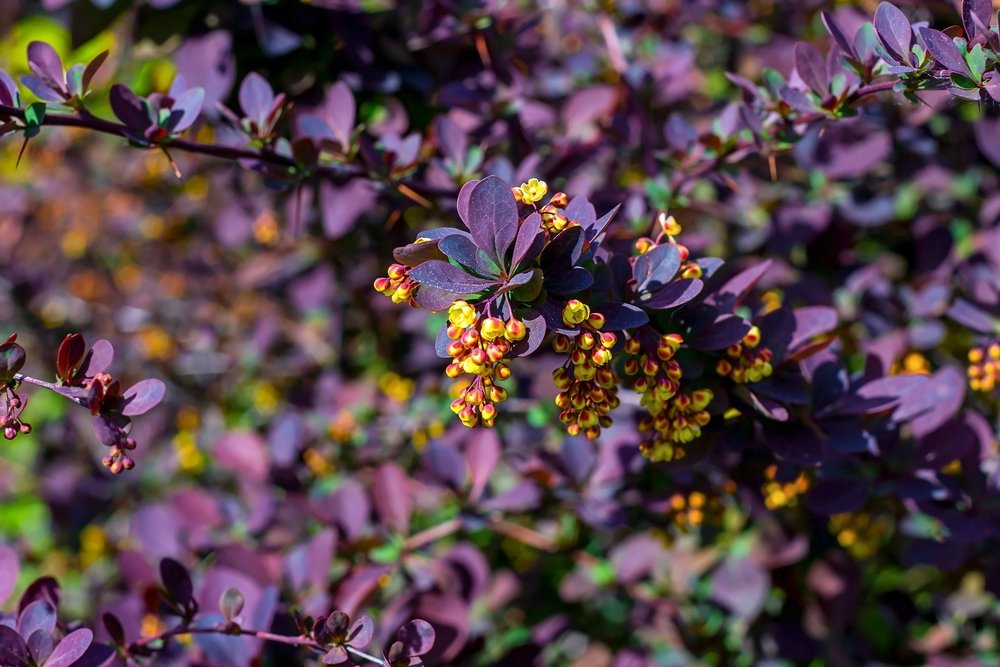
(963,82)
(34,114)
(976,59)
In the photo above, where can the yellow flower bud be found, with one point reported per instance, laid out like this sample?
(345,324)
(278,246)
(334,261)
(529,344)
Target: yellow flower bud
(492,328)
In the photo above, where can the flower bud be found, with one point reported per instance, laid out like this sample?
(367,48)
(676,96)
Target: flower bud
(515,330)
(559,200)
(492,328)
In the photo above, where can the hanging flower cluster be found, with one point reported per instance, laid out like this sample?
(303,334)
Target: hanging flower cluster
(522,271)
(479,347)
(746,361)
(588,386)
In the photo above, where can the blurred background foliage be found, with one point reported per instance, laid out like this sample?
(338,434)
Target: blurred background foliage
(292,385)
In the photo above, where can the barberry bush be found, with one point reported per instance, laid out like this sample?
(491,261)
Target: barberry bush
(689,355)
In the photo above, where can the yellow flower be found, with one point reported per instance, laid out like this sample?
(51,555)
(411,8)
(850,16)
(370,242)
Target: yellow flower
(533,191)
(461,314)
(575,312)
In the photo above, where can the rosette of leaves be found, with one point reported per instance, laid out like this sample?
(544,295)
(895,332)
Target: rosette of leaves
(339,635)
(153,120)
(31,636)
(506,263)
(52,82)
(82,375)
(415,639)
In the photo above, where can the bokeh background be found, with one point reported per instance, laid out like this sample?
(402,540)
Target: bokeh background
(306,449)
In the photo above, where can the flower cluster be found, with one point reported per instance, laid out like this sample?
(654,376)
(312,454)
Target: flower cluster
(479,347)
(984,365)
(11,407)
(671,229)
(674,417)
(554,218)
(779,492)
(588,386)
(747,362)
(397,285)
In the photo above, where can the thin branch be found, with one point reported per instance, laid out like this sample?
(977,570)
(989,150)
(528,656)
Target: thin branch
(288,640)
(62,391)
(337,173)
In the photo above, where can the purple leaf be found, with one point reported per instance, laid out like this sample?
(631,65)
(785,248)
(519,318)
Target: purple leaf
(339,112)
(46,63)
(464,250)
(129,108)
(434,299)
(453,141)
(97,655)
(177,582)
(673,295)
(811,67)
(40,645)
(349,508)
(256,97)
(99,359)
(834,496)
(482,453)
(724,331)
(361,632)
(741,586)
(39,615)
(10,567)
(972,10)
(812,321)
(337,655)
(417,636)
(794,442)
(391,496)
(462,204)
(9,95)
(568,281)
(207,62)
(943,397)
(40,88)
(968,314)
(186,109)
(493,217)
(449,278)
(446,464)
(13,650)
(143,396)
(622,316)
(657,267)
(12,358)
(43,588)
(894,31)
(838,34)
(243,453)
(91,69)
(71,648)
(528,242)
(736,288)
(537,328)
(944,51)
(342,205)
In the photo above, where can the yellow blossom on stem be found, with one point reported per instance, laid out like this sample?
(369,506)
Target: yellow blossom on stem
(533,191)
(575,312)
